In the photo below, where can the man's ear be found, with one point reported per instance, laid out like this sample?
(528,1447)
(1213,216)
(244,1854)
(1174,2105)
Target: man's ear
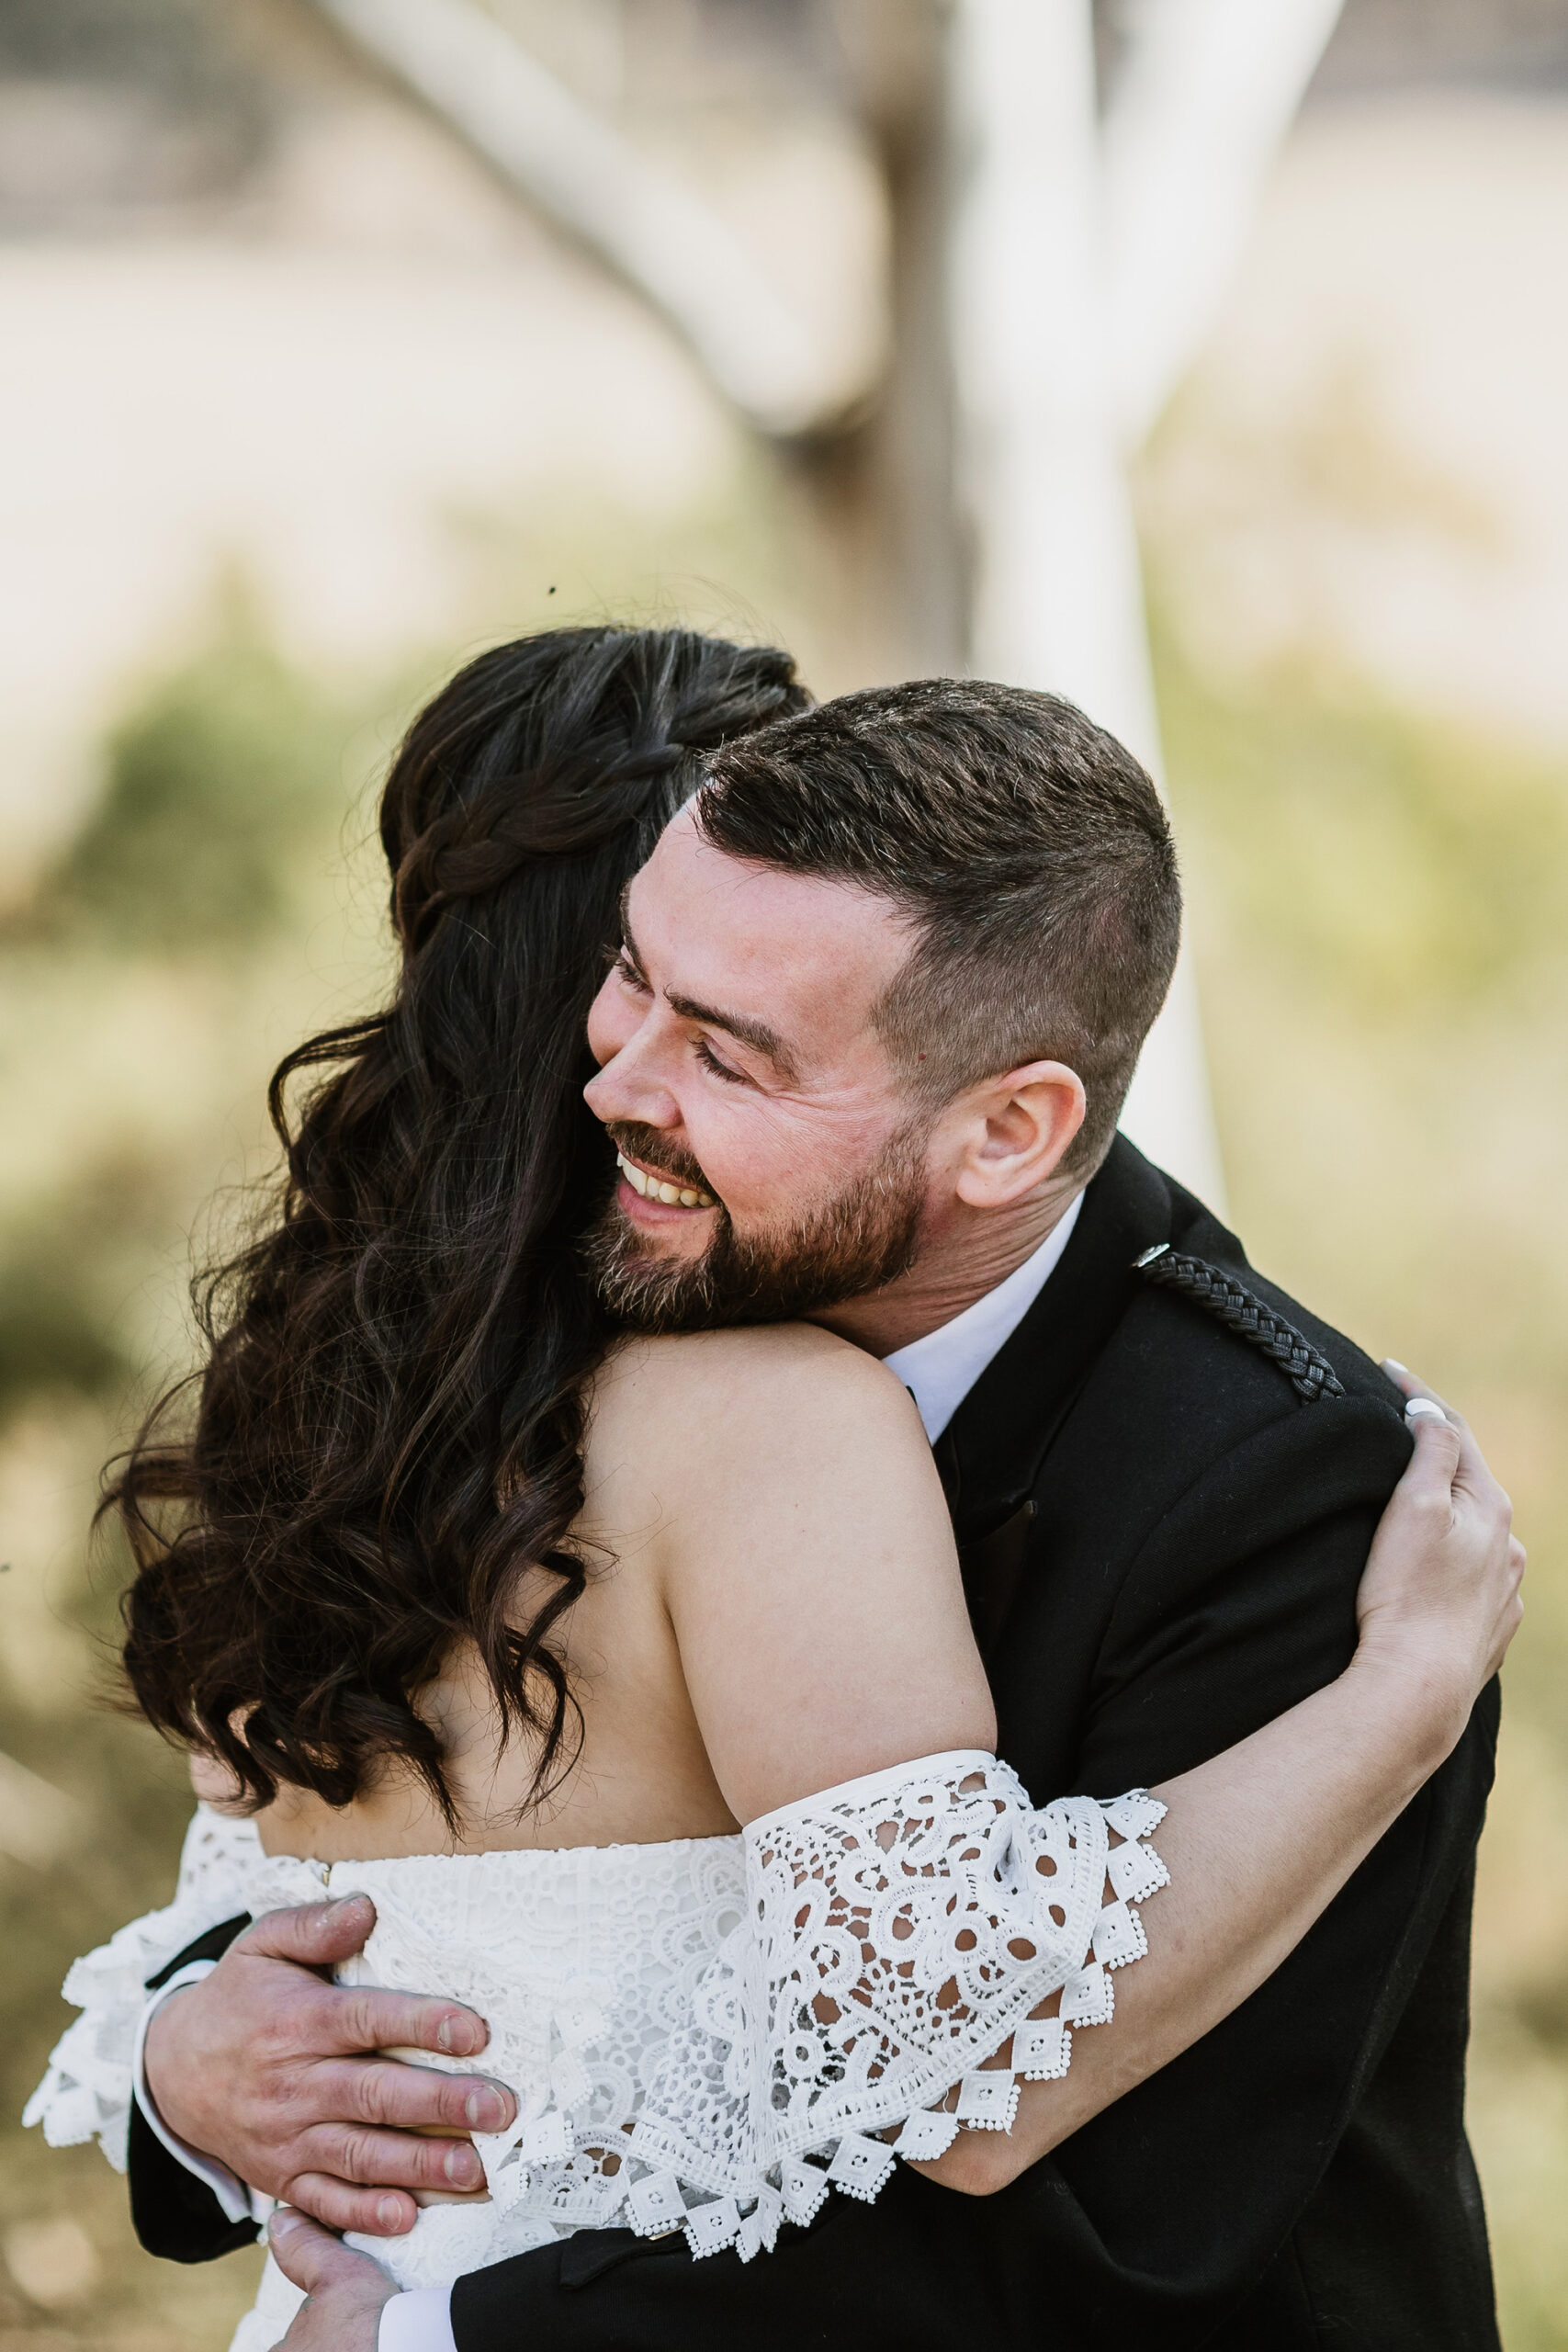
(1016,1130)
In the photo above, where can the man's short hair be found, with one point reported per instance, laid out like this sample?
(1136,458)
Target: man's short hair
(1029,850)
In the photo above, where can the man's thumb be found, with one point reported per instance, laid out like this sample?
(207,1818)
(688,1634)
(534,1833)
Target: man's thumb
(306,2253)
(314,1935)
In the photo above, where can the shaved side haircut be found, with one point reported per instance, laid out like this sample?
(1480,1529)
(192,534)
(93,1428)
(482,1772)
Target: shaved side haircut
(1027,849)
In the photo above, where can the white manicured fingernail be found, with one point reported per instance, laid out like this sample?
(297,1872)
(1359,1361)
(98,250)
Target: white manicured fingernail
(1391,1363)
(1422,1408)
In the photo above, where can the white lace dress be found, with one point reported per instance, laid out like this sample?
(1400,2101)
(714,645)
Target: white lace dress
(711,2034)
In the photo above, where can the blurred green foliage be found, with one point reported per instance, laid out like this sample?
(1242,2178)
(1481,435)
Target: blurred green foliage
(1380,908)
(222,801)
(1392,862)
(213,787)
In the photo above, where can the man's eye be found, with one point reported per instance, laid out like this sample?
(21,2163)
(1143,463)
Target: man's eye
(710,1060)
(626,971)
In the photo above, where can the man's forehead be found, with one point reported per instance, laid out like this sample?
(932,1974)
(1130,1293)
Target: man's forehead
(818,945)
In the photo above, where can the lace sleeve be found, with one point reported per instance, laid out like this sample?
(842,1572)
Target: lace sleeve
(85,2093)
(918,1943)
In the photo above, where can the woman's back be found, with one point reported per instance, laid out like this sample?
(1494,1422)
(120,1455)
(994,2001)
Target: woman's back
(772,1606)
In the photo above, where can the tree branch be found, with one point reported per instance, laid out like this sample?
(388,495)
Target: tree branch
(658,236)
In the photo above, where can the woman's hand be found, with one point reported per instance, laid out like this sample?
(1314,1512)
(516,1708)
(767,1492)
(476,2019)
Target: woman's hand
(1439,1602)
(346,2292)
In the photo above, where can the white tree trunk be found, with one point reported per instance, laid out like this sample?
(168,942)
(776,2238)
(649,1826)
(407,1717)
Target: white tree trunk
(1207,92)
(1058,595)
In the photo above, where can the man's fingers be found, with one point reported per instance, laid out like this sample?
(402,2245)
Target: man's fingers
(415,2099)
(312,2257)
(314,1935)
(377,2020)
(373,2212)
(358,2153)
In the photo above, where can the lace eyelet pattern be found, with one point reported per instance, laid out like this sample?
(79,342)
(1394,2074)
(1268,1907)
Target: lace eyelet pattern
(712,2035)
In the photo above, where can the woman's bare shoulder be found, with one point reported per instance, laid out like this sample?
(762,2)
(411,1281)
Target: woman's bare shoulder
(803,1551)
(762,1371)
(712,1418)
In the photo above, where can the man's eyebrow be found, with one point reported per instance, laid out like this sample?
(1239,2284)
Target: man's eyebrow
(755,1033)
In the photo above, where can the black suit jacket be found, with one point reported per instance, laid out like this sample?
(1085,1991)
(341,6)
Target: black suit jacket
(1164,1539)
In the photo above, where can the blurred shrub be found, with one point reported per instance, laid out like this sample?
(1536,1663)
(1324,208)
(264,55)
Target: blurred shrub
(65,1270)
(1385,856)
(1381,916)
(188,898)
(210,785)
(51,1323)
(197,78)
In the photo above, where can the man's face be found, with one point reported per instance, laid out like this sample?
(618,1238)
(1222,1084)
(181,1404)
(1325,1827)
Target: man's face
(738,1069)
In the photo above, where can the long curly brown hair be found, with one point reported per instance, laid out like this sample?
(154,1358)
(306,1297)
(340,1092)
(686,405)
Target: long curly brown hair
(389,1424)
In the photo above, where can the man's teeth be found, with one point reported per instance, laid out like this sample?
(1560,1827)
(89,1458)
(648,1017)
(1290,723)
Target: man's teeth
(653,1188)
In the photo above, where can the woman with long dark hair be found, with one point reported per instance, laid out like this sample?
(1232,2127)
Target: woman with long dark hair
(461,1597)
(392,1410)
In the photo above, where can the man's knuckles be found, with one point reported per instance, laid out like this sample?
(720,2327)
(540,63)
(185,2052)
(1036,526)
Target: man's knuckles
(373,2019)
(407,2099)
(364,2019)
(376,2212)
(403,2160)
(351,2152)
(285,2017)
(311,1935)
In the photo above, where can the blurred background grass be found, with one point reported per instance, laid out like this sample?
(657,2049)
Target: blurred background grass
(217,620)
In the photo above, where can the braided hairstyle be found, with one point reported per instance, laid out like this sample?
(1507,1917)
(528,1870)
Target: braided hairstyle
(390,1422)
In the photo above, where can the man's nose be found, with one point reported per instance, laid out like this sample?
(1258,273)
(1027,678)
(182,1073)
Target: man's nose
(627,1086)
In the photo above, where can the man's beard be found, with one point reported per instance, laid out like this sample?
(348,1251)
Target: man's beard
(843,1248)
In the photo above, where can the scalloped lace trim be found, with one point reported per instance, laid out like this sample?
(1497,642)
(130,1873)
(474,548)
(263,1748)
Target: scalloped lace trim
(710,2035)
(904,1936)
(85,2093)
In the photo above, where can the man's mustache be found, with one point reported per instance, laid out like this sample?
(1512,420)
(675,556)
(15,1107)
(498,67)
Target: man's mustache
(651,1149)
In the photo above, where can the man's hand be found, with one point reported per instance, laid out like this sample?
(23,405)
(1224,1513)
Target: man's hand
(344,2291)
(271,2069)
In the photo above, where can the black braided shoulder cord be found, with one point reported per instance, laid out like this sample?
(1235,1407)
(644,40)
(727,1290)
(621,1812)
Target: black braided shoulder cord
(1243,1312)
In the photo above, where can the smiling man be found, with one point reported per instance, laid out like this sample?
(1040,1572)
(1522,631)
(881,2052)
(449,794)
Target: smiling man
(788,1049)
(708,1102)
(881,992)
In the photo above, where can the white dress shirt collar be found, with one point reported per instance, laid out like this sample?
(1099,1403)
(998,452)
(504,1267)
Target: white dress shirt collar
(939,1370)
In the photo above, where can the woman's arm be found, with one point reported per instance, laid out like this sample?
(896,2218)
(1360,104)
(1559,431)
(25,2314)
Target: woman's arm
(822,1627)
(1260,1839)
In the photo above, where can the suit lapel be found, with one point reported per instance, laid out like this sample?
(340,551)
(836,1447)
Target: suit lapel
(990,1453)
